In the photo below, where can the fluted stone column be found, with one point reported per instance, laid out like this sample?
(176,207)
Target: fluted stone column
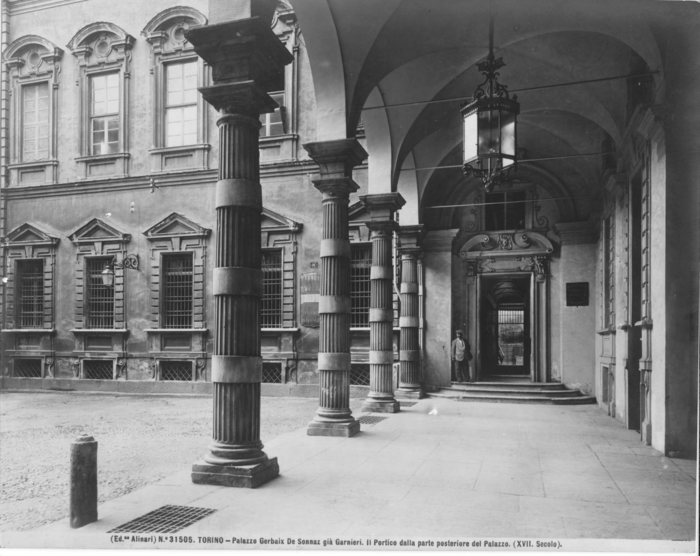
(410,375)
(336,160)
(381,209)
(236,457)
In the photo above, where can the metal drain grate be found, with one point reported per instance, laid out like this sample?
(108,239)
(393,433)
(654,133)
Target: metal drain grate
(370,419)
(407,404)
(168,519)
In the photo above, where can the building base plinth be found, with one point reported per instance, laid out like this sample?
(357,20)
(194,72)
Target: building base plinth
(410,394)
(346,429)
(242,476)
(381,406)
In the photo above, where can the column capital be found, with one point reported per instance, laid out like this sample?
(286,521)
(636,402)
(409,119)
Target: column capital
(336,158)
(246,96)
(336,187)
(381,206)
(382,226)
(242,50)
(409,239)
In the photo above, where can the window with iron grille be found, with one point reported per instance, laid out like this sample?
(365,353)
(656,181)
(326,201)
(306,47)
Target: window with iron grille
(272,372)
(27,368)
(177,290)
(271,302)
(176,370)
(360,268)
(30,293)
(359,374)
(100,298)
(98,369)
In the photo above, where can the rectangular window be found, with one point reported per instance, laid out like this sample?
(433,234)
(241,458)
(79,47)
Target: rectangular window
(273,123)
(30,293)
(505,210)
(104,114)
(181,104)
(271,303)
(177,292)
(99,304)
(360,267)
(35,122)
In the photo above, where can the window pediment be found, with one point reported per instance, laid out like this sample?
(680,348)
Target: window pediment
(97,230)
(166,31)
(274,222)
(176,225)
(26,234)
(32,56)
(100,43)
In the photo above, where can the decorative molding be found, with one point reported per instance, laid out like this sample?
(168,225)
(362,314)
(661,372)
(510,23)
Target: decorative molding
(506,244)
(176,225)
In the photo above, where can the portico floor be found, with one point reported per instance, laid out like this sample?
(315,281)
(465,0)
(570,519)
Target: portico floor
(438,470)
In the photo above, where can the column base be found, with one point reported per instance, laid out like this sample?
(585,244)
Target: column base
(380,406)
(242,476)
(346,429)
(412,394)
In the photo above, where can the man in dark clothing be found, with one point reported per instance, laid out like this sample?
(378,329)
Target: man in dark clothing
(461,355)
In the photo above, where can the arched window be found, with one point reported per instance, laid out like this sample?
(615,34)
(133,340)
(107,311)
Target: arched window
(103,52)
(179,114)
(33,65)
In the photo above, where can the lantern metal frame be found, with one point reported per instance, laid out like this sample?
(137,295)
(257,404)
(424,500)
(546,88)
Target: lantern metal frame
(491,97)
(130,261)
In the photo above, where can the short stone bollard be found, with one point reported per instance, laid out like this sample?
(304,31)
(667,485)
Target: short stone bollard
(83,481)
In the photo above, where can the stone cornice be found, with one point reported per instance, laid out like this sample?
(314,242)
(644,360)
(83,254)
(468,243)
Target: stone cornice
(438,241)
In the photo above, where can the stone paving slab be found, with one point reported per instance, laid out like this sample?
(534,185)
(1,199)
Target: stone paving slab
(471,470)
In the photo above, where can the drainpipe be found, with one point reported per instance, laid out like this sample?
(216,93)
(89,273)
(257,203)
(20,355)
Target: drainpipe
(4,123)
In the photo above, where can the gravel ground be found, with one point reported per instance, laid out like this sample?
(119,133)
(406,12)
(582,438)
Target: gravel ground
(141,439)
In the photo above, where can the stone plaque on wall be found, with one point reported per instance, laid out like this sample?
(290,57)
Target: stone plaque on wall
(310,291)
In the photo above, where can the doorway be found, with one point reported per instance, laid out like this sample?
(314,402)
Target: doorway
(505,328)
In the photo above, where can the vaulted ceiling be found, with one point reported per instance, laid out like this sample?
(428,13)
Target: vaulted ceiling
(368,56)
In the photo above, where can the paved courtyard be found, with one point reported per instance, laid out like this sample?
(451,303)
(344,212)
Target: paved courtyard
(441,470)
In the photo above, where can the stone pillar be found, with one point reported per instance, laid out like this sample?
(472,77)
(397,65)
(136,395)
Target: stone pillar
(236,51)
(410,378)
(336,160)
(381,209)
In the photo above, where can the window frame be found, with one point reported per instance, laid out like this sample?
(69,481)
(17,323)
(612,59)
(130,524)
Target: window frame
(23,123)
(166,107)
(280,314)
(281,110)
(168,47)
(19,276)
(32,60)
(92,117)
(101,49)
(356,246)
(108,260)
(163,298)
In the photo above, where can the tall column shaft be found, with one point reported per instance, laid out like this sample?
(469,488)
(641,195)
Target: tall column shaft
(235,456)
(336,160)
(410,380)
(410,377)
(381,209)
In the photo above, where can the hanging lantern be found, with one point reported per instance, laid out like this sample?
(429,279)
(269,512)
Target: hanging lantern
(108,276)
(490,125)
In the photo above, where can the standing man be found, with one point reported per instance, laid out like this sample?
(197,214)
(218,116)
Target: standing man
(461,355)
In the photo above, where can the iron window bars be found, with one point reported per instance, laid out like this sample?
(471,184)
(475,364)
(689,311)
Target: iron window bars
(30,293)
(178,283)
(360,268)
(271,302)
(100,298)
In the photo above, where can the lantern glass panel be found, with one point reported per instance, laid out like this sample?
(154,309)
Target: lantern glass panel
(508,137)
(489,132)
(471,135)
